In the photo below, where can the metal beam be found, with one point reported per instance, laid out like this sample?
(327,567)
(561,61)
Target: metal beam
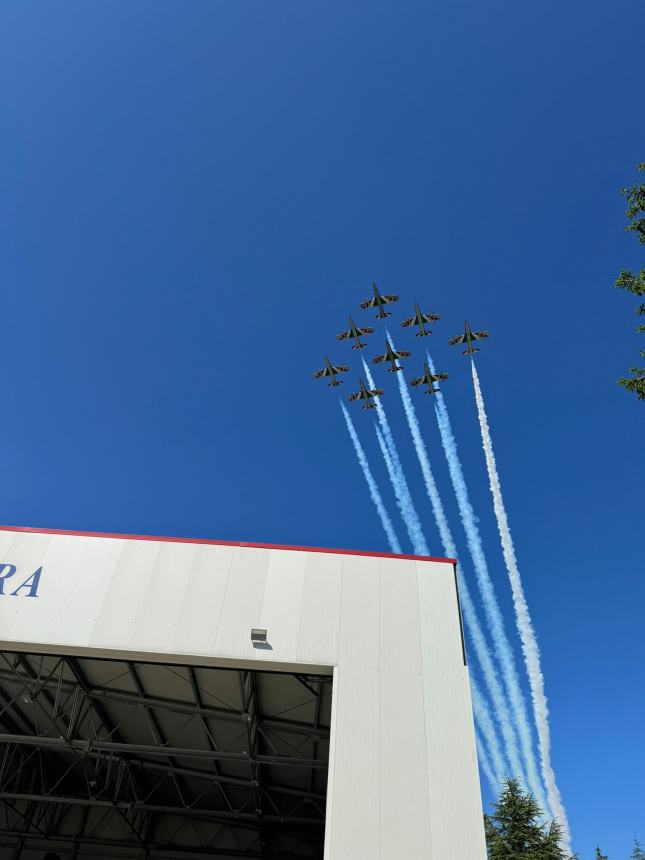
(241,818)
(8,839)
(101,694)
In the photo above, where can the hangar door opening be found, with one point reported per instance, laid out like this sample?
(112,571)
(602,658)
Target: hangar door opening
(122,759)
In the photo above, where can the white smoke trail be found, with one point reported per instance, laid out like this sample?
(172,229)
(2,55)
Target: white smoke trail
(487,729)
(389,465)
(471,620)
(489,599)
(401,489)
(375,494)
(485,764)
(525,629)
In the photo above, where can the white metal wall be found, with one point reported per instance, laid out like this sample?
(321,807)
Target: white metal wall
(403,780)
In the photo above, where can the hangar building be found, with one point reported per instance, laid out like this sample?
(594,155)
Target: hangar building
(176,699)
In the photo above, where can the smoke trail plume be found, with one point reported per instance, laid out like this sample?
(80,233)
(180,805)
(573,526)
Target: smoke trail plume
(487,729)
(489,598)
(471,620)
(401,489)
(525,629)
(375,494)
(389,465)
(484,763)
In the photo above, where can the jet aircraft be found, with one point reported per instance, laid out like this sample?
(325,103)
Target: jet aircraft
(391,355)
(379,301)
(428,379)
(330,370)
(468,337)
(366,394)
(355,333)
(420,319)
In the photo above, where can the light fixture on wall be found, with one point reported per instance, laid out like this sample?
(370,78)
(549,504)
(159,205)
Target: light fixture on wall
(258,637)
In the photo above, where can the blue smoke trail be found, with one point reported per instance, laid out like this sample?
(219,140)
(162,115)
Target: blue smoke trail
(375,494)
(471,620)
(485,764)
(489,598)
(485,725)
(401,489)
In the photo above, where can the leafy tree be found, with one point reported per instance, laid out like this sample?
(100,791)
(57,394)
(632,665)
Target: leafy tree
(634,282)
(514,831)
(600,855)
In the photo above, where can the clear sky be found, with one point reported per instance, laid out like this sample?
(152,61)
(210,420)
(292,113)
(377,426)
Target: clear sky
(193,198)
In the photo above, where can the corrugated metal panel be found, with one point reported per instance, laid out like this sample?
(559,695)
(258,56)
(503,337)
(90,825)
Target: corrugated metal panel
(199,613)
(117,618)
(74,620)
(59,562)
(155,626)
(242,603)
(358,734)
(320,616)
(282,604)
(26,556)
(405,835)
(456,827)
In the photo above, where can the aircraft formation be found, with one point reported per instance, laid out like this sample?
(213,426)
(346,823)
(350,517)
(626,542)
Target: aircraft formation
(391,356)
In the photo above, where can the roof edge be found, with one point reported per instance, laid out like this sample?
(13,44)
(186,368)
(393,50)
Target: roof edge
(166,539)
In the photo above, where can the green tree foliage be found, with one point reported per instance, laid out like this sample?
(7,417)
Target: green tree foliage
(634,282)
(600,855)
(514,831)
(638,853)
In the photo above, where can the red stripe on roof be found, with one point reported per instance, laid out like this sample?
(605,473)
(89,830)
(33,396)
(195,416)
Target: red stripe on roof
(164,538)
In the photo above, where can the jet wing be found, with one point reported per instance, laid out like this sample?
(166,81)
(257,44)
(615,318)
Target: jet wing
(320,373)
(431,317)
(419,381)
(376,392)
(461,338)
(478,335)
(370,303)
(390,298)
(406,323)
(437,376)
(402,354)
(344,335)
(366,330)
(380,358)
(355,396)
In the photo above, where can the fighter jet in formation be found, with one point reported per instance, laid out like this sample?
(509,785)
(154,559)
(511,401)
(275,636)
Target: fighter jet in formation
(366,394)
(379,301)
(420,319)
(356,333)
(391,355)
(428,379)
(468,337)
(330,370)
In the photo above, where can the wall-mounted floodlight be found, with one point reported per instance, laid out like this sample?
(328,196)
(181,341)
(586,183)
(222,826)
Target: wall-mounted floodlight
(258,636)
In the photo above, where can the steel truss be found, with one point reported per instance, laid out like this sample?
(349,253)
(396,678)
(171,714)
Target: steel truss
(94,757)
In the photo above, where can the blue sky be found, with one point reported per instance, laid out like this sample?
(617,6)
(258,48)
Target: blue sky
(194,197)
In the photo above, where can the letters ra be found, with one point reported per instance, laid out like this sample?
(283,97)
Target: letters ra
(30,585)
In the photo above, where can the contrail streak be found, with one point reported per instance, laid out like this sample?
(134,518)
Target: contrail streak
(484,763)
(525,629)
(489,598)
(375,494)
(487,729)
(471,620)
(389,465)
(401,489)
